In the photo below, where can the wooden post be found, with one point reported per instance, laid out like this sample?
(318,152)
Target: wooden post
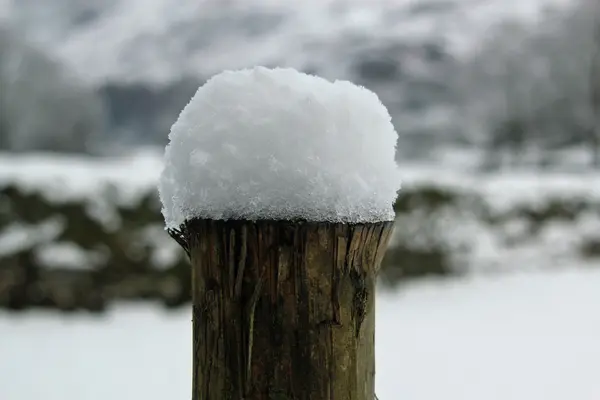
(283,310)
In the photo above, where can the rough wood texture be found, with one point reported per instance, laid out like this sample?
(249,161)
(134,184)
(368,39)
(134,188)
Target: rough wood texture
(284,310)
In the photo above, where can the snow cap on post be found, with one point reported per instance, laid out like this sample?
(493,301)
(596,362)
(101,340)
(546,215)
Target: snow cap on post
(278,144)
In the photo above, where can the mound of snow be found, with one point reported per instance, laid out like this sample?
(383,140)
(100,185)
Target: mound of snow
(279,144)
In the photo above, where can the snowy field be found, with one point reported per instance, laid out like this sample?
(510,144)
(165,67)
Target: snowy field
(519,337)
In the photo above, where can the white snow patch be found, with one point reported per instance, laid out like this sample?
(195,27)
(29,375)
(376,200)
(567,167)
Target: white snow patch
(279,144)
(66,177)
(68,255)
(18,237)
(505,189)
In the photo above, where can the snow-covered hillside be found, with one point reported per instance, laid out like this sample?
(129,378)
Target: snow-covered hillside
(161,41)
(439,66)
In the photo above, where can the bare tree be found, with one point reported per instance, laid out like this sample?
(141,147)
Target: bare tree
(42,105)
(496,86)
(539,88)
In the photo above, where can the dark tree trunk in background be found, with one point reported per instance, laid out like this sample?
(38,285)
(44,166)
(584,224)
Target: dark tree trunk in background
(284,310)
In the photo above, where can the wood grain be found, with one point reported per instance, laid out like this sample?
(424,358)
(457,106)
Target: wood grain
(284,310)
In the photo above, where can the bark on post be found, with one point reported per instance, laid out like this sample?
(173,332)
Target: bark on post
(283,310)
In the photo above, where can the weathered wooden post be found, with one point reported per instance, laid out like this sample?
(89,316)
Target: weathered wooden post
(280,186)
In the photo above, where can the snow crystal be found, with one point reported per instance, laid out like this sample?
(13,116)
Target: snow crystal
(279,144)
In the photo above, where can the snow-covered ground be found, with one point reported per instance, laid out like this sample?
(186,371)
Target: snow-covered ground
(519,337)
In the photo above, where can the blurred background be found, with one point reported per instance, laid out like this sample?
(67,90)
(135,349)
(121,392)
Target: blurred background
(491,287)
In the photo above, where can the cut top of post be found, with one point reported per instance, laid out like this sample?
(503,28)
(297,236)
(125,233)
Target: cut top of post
(278,144)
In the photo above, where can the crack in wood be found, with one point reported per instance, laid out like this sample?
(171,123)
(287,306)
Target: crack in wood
(282,310)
